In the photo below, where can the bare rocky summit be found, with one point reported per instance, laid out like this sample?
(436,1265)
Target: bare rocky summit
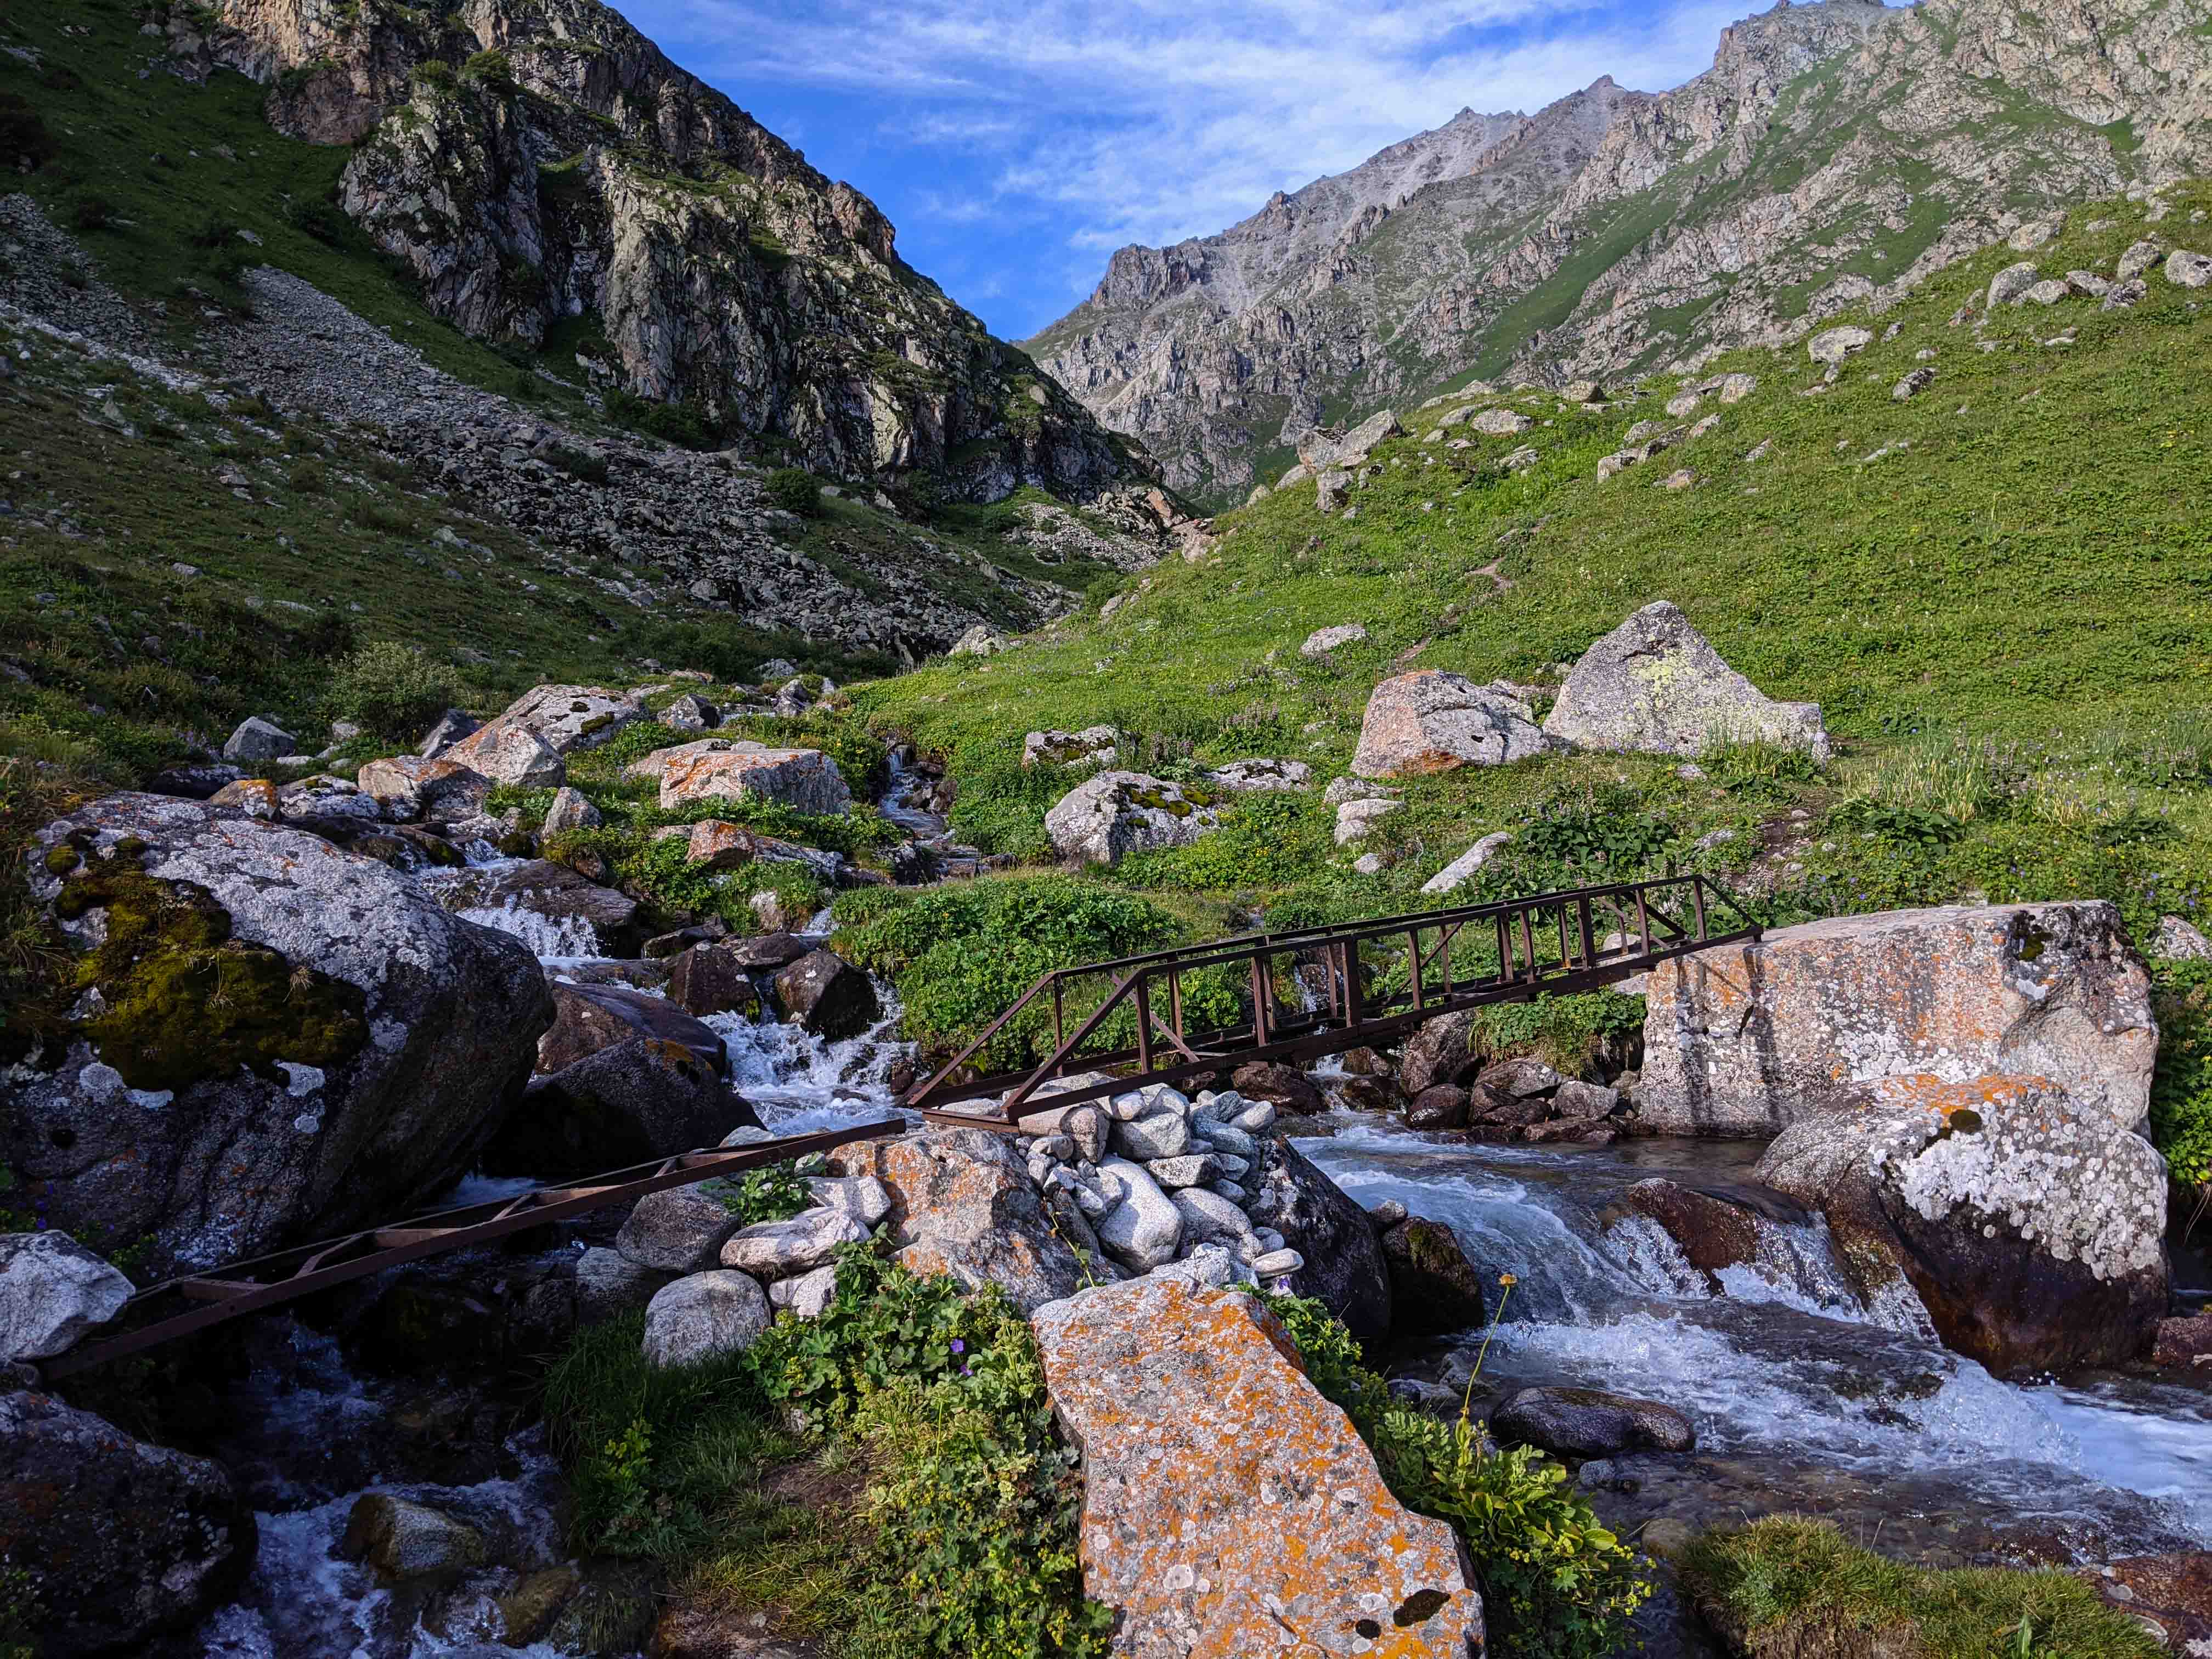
(1833,156)
(545,171)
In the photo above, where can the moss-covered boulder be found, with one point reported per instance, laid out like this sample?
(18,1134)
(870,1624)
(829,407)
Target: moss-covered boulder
(266,1037)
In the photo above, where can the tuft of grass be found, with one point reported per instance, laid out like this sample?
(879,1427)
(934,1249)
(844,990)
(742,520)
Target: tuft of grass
(1789,1585)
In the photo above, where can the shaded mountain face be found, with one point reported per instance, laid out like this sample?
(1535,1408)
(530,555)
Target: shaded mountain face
(551,179)
(1833,155)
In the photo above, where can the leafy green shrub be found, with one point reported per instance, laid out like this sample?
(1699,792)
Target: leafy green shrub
(431,72)
(793,489)
(686,425)
(324,221)
(970,1542)
(1902,826)
(213,231)
(2181,1088)
(311,478)
(1557,1583)
(25,144)
(492,67)
(392,690)
(1791,1584)
(92,213)
(387,517)
(775,1192)
(1268,838)
(975,1504)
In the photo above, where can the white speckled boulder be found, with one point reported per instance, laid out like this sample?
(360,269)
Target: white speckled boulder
(1745,1039)
(2028,1222)
(1118,813)
(1432,721)
(286,1039)
(1655,685)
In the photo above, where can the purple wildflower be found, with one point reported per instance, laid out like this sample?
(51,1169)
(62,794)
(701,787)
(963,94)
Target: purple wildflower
(958,1346)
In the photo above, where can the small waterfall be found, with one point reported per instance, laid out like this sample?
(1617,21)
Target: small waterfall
(551,940)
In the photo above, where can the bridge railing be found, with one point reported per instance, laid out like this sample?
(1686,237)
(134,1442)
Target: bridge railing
(1191,1010)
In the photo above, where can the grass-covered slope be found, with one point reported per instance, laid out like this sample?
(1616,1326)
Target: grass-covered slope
(1998,590)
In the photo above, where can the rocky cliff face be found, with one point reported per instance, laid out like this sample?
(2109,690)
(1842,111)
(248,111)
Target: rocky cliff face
(1833,155)
(552,179)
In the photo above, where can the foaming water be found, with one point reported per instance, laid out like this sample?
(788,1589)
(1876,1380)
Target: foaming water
(799,1082)
(1784,1358)
(554,940)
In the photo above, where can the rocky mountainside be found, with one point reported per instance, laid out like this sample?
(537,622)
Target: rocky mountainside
(553,180)
(1833,156)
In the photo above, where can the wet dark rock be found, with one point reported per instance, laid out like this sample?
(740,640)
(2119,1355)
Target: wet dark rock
(1343,1265)
(401,1538)
(588,1019)
(641,1099)
(119,1540)
(661,946)
(1588,1423)
(828,995)
(1440,1052)
(193,782)
(767,952)
(2185,1343)
(1715,1230)
(2174,1592)
(1434,1288)
(1442,1107)
(1361,1093)
(708,979)
(1285,1087)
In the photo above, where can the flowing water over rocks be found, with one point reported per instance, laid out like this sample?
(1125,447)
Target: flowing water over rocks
(1803,1399)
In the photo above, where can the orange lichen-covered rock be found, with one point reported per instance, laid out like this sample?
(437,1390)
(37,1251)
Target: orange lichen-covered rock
(1748,1038)
(805,779)
(1229,1511)
(962,1204)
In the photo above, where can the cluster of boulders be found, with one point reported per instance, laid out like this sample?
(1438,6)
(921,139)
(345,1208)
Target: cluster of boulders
(2024,284)
(1653,686)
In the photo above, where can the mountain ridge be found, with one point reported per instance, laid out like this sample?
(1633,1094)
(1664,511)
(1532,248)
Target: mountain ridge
(1831,151)
(550,177)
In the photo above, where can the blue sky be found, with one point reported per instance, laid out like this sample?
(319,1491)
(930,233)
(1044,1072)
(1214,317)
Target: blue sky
(1016,143)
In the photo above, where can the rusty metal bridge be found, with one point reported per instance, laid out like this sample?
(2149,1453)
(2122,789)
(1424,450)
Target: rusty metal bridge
(1358,984)
(1143,1018)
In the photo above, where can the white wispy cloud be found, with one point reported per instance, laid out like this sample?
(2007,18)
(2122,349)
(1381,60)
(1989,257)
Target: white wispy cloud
(1152,120)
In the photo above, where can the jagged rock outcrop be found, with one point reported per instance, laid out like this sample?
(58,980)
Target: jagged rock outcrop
(1825,143)
(548,175)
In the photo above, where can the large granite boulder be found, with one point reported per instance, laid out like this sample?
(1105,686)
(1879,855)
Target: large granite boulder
(53,1293)
(704,1316)
(120,1542)
(1229,1511)
(563,719)
(1343,1266)
(1283,1086)
(1432,721)
(962,1204)
(273,1039)
(1655,686)
(804,780)
(1322,447)
(2030,1222)
(1745,1039)
(1440,1052)
(1117,813)
(587,1018)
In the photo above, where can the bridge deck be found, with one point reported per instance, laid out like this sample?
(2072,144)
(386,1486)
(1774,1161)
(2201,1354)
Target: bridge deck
(1376,980)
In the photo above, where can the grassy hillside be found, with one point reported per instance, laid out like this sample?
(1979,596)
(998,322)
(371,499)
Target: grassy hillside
(1999,591)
